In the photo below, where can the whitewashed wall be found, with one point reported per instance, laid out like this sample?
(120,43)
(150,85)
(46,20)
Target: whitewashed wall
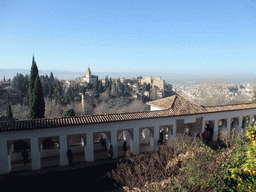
(62,132)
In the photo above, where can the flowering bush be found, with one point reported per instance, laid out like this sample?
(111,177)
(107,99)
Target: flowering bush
(245,174)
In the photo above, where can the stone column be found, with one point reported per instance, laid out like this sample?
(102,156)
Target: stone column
(5,160)
(114,142)
(229,126)
(240,122)
(169,134)
(251,119)
(216,128)
(175,129)
(35,153)
(136,140)
(63,150)
(89,149)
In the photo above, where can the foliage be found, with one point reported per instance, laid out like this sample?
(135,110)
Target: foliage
(38,104)
(244,174)
(8,112)
(36,94)
(20,83)
(186,164)
(68,113)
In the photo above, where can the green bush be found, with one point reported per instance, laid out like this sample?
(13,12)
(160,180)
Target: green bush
(68,113)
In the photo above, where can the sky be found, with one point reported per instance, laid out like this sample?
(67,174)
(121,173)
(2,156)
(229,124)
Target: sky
(182,37)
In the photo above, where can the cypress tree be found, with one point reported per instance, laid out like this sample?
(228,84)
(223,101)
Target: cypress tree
(38,105)
(96,84)
(36,95)
(100,86)
(4,78)
(106,83)
(8,110)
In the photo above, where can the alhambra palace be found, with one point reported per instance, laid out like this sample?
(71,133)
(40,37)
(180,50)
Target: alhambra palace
(173,115)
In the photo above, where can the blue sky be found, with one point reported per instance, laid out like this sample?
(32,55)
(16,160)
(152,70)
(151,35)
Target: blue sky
(184,37)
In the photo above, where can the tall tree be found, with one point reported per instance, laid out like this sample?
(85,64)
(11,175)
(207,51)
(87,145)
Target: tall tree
(38,103)
(20,83)
(4,78)
(36,95)
(100,86)
(96,84)
(8,110)
(33,75)
(106,83)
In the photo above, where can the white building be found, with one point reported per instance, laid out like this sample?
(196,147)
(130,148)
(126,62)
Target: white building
(173,115)
(88,78)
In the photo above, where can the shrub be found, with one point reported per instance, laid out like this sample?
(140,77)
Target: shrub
(244,174)
(68,113)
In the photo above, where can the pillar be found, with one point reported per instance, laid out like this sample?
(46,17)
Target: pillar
(5,160)
(216,128)
(251,119)
(35,153)
(152,143)
(63,150)
(89,149)
(169,134)
(136,140)
(229,126)
(240,122)
(175,128)
(114,142)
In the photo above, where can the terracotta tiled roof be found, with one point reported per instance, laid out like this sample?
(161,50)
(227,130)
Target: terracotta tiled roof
(165,103)
(181,106)
(79,120)
(177,106)
(222,108)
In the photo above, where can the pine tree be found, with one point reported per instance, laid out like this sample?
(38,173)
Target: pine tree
(38,105)
(8,110)
(4,78)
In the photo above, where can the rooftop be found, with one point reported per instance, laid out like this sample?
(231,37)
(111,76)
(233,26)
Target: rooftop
(173,106)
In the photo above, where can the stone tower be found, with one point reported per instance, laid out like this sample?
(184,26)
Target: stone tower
(88,75)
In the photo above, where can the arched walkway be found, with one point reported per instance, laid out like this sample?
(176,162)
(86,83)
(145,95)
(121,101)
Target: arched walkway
(246,122)
(146,138)
(124,135)
(222,126)
(101,152)
(210,130)
(77,144)
(167,132)
(15,149)
(49,149)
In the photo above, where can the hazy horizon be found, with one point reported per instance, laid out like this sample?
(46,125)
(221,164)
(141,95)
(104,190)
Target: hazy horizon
(171,78)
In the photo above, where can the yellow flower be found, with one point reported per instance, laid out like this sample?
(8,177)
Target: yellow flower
(249,187)
(239,184)
(246,170)
(250,171)
(254,172)
(240,179)
(233,176)
(253,135)
(255,165)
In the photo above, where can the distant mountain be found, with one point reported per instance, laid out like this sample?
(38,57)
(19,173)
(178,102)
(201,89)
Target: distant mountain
(172,78)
